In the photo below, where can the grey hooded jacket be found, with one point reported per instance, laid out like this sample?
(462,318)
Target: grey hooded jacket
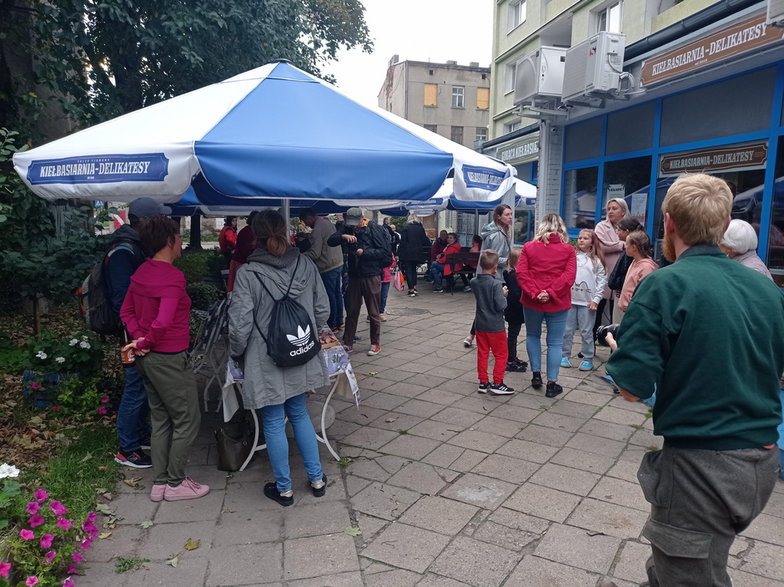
(265,383)
(495,239)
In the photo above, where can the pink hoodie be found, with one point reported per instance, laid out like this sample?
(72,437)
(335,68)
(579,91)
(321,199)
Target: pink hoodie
(157,308)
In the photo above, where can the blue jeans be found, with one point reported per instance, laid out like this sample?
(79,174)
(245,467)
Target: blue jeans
(274,420)
(134,413)
(437,271)
(384,296)
(333,284)
(556,324)
(582,319)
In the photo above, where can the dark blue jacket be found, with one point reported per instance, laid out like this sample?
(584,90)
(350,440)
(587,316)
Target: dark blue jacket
(122,263)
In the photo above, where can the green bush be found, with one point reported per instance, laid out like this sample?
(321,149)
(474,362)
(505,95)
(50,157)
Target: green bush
(13,359)
(203,295)
(200,265)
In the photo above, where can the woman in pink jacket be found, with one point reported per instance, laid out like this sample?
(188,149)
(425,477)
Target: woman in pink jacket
(156,312)
(612,248)
(546,272)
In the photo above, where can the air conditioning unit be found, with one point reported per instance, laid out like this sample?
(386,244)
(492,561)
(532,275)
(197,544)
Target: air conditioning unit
(594,66)
(539,76)
(775,13)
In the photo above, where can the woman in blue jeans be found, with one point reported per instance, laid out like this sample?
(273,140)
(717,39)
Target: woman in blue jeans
(546,272)
(279,392)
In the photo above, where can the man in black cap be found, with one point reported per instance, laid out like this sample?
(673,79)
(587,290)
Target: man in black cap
(123,257)
(368,253)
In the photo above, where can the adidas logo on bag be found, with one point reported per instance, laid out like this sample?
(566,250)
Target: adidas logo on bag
(301,341)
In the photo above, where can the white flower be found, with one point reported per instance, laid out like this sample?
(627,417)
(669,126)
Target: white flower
(41,355)
(73,341)
(7,470)
(84,344)
(60,359)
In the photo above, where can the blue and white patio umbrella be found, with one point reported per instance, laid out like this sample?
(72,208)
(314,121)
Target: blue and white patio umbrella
(272,132)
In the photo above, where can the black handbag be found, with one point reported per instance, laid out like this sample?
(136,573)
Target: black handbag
(618,274)
(234,441)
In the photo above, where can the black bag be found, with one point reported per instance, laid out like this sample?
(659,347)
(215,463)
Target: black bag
(618,274)
(291,337)
(94,298)
(381,239)
(235,441)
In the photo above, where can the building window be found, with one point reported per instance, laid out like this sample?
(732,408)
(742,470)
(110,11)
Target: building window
(481,133)
(482,98)
(457,134)
(516,14)
(609,19)
(431,94)
(511,77)
(458,97)
(431,127)
(512,126)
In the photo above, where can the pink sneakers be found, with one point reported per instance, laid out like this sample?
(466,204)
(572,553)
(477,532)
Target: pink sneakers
(188,489)
(157,492)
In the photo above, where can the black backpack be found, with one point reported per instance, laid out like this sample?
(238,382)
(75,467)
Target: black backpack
(381,238)
(618,274)
(94,297)
(291,336)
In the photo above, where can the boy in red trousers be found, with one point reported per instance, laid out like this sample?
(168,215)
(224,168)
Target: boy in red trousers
(490,294)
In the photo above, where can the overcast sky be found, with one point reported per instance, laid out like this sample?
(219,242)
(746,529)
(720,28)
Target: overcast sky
(416,30)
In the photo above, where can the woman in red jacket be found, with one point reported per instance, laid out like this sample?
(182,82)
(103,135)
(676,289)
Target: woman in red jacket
(546,272)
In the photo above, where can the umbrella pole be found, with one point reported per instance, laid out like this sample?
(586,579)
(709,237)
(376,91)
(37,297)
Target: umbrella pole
(286,213)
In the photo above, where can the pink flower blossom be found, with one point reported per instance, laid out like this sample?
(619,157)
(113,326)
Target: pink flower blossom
(55,408)
(46,540)
(49,556)
(91,516)
(90,528)
(105,399)
(72,570)
(86,543)
(35,385)
(32,580)
(36,520)
(27,534)
(5,569)
(40,495)
(102,410)
(77,557)
(63,523)
(68,583)
(58,508)
(33,507)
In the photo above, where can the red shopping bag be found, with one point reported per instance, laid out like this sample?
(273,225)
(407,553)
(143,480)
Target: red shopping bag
(399,281)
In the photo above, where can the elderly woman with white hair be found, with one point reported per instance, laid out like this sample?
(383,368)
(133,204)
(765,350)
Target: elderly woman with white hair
(612,248)
(413,250)
(740,243)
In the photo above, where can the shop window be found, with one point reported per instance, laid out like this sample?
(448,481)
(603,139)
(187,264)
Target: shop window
(734,106)
(524,226)
(584,140)
(579,204)
(431,95)
(775,256)
(630,129)
(482,98)
(628,179)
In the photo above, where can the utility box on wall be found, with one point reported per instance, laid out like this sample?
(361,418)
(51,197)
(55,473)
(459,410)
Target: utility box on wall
(594,66)
(539,76)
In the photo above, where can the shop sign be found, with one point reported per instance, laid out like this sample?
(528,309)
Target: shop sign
(616,190)
(521,151)
(750,156)
(739,38)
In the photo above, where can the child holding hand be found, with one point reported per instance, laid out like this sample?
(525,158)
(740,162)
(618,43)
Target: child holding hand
(490,297)
(587,290)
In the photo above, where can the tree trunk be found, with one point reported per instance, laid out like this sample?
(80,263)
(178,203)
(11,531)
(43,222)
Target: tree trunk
(195,243)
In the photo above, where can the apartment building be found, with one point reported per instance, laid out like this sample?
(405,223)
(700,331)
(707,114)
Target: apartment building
(698,87)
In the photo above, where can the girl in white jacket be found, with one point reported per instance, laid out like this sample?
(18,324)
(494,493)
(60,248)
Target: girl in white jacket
(587,292)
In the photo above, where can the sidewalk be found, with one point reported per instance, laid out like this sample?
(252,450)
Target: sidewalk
(447,487)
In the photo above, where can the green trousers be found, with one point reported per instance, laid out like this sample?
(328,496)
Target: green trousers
(174,411)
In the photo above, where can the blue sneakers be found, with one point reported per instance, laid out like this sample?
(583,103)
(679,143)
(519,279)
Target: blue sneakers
(565,363)
(586,366)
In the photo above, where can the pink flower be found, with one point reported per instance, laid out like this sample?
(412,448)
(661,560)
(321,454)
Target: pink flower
(27,534)
(55,408)
(5,569)
(68,583)
(40,495)
(72,570)
(46,540)
(33,507)
(102,410)
(58,508)
(49,556)
(105,399)
(86,543)
(36,520)
(90,528)
(77,557)
(91,516)
(35,385)
(63,523)
(32,580)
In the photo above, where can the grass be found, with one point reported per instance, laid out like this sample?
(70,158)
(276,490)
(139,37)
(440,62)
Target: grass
(123,565)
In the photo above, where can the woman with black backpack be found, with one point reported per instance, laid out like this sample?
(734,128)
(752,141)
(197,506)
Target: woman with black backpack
(279,298)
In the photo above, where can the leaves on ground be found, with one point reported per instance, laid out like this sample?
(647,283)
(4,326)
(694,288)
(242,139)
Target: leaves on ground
(133,483)
(192,544)
(104,509)
(104,535)
(146,524)
(173,561)
(351,531)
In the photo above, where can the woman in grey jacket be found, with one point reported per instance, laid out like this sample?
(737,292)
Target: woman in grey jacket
(278,392)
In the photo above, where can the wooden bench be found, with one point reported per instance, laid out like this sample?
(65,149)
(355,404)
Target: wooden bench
(465,258)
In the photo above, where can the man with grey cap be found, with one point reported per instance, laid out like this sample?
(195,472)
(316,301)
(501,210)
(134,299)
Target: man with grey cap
(123,258)
(368,252)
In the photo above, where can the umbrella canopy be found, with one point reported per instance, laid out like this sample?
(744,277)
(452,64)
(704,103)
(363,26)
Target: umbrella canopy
(272,132)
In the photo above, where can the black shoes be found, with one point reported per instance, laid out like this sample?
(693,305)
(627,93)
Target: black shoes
(553,389)
(484,387)
(501,389)
(271,491)
(536,380)
(319,488)
(517,366)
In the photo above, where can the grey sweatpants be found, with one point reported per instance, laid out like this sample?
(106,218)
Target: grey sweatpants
(700,500)
(174,411)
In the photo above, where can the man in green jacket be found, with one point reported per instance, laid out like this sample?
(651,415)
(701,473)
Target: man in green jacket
(704,334)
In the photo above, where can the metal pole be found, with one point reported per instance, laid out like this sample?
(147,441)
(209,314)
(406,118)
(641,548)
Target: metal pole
(286,213)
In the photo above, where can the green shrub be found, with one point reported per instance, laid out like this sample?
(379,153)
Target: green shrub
(200,265)
(203,295)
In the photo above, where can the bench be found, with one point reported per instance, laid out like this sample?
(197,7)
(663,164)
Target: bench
(465,258)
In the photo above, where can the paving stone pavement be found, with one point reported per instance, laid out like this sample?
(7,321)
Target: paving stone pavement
(447,487)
